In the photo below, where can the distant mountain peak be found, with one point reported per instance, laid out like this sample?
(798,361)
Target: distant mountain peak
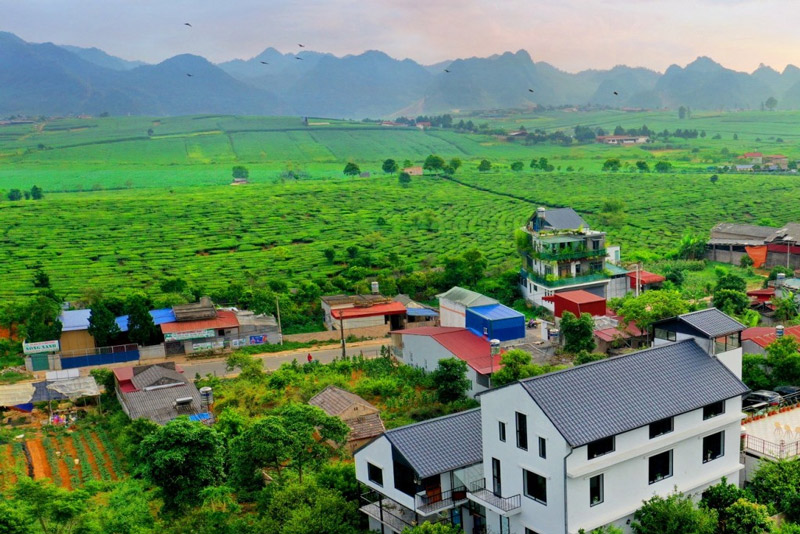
(704,63)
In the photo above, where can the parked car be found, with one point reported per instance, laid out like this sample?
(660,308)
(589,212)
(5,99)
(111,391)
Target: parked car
(788,391)
(762,396)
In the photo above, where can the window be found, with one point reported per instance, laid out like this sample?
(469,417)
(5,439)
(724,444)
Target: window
(714,409)
(375,474)
(661,427)
(502,429)
(713,446)
(497,484)
(542,448)
(535,486)
(522,431)
(660,333)
(660,466)
(595,490)
(600,447)
(404,479)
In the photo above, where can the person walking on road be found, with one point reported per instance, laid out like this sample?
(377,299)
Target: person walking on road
(309,358)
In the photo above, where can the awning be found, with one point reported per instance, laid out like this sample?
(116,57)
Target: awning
(15,394)
(75,388)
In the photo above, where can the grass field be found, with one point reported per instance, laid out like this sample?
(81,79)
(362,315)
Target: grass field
(125,209)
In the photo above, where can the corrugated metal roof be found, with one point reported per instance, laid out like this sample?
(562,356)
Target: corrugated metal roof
(601,399)
(158,404)
(466,298)
(224,319)
(390,308)
(462,343)
(747,231)
(421,312)
(74,320)
(160,316)
(645,277)
(579,296)
(712,322)
(442,444)
(496,312)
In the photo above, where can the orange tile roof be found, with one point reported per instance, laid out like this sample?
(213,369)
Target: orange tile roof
(390,308)
(224,319)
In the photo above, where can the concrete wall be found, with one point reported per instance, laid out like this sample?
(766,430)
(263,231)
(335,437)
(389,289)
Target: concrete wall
(152,352)
(423,352)
(335,335)
(777,258)
(452,313)
(726,255)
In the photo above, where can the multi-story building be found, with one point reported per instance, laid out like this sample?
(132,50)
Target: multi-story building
(564,254)
(581,448)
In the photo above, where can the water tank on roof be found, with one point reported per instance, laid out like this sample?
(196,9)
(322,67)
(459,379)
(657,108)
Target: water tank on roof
(375,288)
(779,331)
(207,395)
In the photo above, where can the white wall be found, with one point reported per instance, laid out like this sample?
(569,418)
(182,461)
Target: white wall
(425,352)
(379,454)
(750,347)
(452,313)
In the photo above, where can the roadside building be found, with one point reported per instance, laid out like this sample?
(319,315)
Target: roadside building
(160,393)
(577,302)
(257,329)
(646,280)
(363,418)
(199,327)
(75,337)
(418,314)
(361,311)
(453,305)
(756,339)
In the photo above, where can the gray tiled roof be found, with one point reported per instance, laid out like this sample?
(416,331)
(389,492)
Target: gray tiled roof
(712,322)
(156,375)
(466,298)
(564,219)
(335,400)
(736,231)
(158,404)
(597,400)
(442,444)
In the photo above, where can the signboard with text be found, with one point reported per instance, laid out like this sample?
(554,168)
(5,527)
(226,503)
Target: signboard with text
(195,334)
(208,345)
(40,346)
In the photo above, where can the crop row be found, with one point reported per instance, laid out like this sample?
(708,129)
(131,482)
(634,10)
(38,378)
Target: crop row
(97,453)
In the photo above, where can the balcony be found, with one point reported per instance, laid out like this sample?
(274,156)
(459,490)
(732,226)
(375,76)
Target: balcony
(569,254)
(430,502)
(506,505)
(393,514)
(559,282)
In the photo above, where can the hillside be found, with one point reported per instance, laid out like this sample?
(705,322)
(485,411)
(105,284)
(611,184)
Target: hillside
(63,80)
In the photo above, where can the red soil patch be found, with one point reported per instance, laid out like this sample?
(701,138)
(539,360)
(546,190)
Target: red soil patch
(92,460)
(7,476)
(106,458)
(41,468)
(63,471)
(72,455)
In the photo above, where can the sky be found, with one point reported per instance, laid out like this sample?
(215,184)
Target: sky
(570,34)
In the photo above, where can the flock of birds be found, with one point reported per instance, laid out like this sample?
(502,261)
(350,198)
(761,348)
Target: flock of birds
(447,71)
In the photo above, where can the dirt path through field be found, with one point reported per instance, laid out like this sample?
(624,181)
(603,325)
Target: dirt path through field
(63,471)
(7,463)
(106,458)
(92,459)
(72,455)
(41,468)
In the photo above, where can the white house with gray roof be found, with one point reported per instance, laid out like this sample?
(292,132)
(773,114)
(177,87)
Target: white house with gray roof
(583,447)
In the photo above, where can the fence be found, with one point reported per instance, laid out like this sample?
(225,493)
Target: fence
(100,356)
(773,450)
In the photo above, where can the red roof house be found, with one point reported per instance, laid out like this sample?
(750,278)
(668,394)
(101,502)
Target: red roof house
(225,319)
(461,343)
(578,302)
(646,279)
(764,335)
(389,308)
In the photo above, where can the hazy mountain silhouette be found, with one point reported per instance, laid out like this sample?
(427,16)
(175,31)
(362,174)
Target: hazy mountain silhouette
(45,79)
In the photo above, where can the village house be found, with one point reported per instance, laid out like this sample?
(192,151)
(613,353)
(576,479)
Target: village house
(565,254)
(756,158)
(363,419)
(199,326)
(414,171)
(482,315)
(418,314)
(362,311)
(622,139)
(767,246)
(573,449)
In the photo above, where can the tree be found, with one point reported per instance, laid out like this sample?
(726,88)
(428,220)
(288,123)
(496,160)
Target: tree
(141,327)
(771,103)
(578,332)
(182,458)
(691,247)
(612,164)
(485,165)
(778,483)
(263,445)
(330,254)
(433,528)
(306,508)
(642,166)
(745,517)
(41,279)
(450,379)
(785,307)
(754,372)
(102,325)
(714,178)
(652,306)
(675,514)
(517,166)
(455,163)
(352,251)
(433,163)
(389,166)
(38,319)
(516,365)
(37,193)
(404,179)
(663,166)
(730,301)
(784,360)
(56,509)
(13,520)
(14,195)
(240,171)
(682,112)
(310,429)
(250,367)
(351,169)
(731,281)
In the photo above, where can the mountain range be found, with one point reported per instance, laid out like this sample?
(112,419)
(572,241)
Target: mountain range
(48,79)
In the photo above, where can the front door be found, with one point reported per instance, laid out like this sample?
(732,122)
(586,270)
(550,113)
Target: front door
(433,488)
(496,482)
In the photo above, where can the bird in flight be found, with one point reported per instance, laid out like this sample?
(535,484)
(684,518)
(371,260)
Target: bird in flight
(189,75)
(446,70)
(187,24)
(616,93)
(264,63)
(298,57)
(301,45)
(530,90)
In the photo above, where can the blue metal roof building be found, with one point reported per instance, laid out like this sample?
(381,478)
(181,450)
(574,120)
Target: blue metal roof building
(500,322)
(163,315)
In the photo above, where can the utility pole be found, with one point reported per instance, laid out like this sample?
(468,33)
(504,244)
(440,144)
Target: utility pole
(278,307)
(341,327)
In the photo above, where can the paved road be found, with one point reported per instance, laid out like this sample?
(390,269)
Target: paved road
(273,361)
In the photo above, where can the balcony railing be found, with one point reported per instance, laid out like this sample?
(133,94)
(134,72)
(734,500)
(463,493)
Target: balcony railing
(428,502)
(541,280)
(479,492)
(773,450)
(393,514)
(568,254)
